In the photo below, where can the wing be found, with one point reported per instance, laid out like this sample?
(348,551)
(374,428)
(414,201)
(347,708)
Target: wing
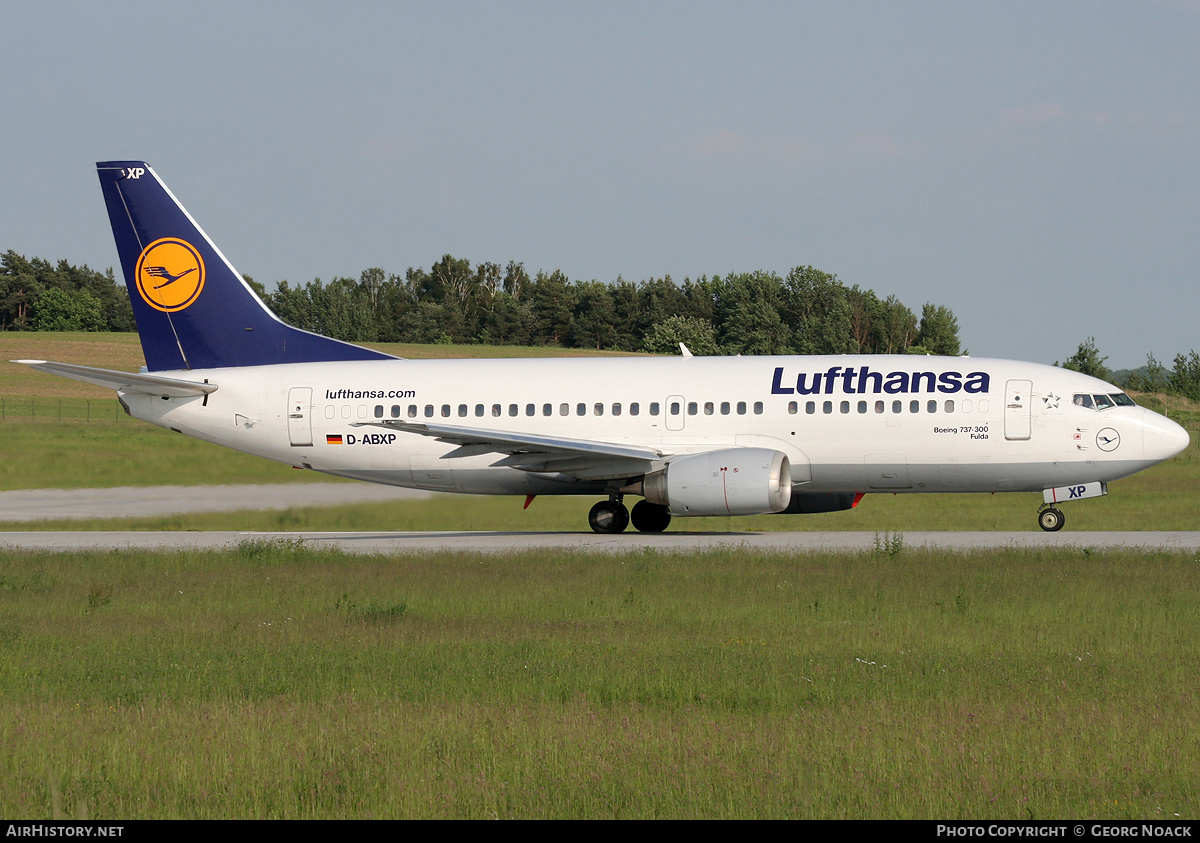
(126,381)
(583,458)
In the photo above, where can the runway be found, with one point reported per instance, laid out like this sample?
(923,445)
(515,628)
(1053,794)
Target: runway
(507,542)
(150,501)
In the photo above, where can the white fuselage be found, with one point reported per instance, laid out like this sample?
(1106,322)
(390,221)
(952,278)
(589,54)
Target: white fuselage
(847,423)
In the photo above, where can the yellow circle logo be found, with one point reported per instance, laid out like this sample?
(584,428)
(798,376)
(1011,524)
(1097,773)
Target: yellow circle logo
(170,274)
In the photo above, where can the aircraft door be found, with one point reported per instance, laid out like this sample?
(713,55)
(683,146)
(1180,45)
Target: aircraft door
(675,411)
(1017,409)
(300,415)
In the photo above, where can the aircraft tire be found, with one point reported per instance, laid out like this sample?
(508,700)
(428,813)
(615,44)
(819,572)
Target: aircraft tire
(1051,520)
(608,517)
(650,517)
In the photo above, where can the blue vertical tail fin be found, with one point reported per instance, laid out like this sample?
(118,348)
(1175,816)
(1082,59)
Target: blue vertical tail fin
(193,310)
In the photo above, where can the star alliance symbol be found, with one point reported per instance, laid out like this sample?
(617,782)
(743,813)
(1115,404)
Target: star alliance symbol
(1051,401)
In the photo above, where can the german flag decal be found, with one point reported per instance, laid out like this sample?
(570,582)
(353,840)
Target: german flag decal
(333,439)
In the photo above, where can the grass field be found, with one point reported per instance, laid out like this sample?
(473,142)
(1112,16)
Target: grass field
(275,681)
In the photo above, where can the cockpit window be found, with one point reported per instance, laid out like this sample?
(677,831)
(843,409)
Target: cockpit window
(1103,402)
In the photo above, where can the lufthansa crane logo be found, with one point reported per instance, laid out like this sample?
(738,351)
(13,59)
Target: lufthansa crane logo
(170,274)
(1108,439)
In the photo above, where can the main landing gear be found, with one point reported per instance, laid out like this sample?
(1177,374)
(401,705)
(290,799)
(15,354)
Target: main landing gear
(611,516)
(1050,519)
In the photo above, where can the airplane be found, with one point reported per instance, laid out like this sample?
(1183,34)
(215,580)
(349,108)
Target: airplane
(690,436)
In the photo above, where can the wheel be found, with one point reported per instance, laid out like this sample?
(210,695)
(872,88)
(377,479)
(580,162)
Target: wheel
(1051,520)
(650,517)
(608,517)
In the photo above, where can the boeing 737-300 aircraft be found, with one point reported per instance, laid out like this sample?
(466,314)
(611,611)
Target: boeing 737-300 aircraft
(689,435)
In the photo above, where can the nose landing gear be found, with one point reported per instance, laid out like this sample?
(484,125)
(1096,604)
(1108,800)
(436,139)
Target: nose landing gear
(1050,519)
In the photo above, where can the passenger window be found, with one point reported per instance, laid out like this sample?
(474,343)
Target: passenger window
(949,405)
(598,409)
(966,405)
(741,408)
(675,408)
(758,408)
(581,409)
(428,411)
(932,405)
(793,407)
(530,410)
(914,406)
(378,411)
(878,406)
(462,411)
(412,411)
(634,409)
(395,411)
(547,409)
(564,409)
(329,411)
(513,409)
(725,408)
(897,407)
(616,409)
(709,408)
(654,408)
(845,407)
(862,407)
(827,407)
(810,407)
(692,408)
(445,411)
(479,411)
(496,411)
(345,411)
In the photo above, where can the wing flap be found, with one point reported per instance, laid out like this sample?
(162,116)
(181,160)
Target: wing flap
(583,458)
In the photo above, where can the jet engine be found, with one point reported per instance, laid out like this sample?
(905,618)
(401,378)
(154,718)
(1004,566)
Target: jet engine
(734,481)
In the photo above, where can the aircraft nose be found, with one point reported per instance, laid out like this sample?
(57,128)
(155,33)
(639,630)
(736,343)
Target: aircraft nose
(1162,437)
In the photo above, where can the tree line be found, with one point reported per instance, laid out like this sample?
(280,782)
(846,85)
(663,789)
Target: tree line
(1183,379)
(36,295)
(806,312)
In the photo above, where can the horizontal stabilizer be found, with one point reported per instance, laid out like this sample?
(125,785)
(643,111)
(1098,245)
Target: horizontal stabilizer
(125,381)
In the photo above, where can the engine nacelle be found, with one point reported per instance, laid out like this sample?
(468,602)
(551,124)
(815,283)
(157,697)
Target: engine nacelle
(735,481)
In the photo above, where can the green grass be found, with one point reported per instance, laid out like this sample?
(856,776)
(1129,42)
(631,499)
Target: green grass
(82,455)
(276,681)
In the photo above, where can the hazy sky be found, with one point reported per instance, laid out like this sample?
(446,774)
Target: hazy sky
(1033,166)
